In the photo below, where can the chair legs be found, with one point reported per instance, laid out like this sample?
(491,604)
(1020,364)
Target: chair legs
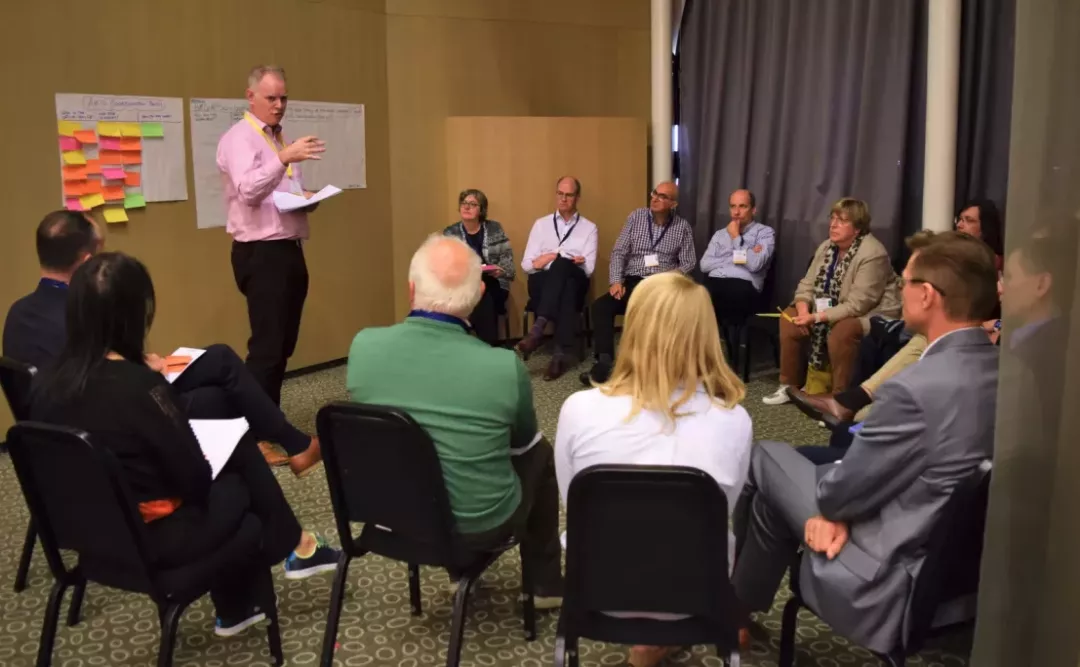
(457,623)
(415,603)
(787,632)
(268,603)
(52,618)
(566,654)
(337,595)
(24,561)
(528,600)
(75,610)
(170,620)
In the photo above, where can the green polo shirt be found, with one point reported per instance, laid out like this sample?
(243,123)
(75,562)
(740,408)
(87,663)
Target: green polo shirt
(475,401)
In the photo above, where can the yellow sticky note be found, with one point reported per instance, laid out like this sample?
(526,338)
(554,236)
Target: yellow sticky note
(130,130)
(68,128)
(90,201)
(108,129)
(74,157)
(114,214)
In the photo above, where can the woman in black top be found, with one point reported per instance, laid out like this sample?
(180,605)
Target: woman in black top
(101,384)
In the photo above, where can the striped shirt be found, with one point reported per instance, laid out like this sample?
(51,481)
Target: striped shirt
(673,245)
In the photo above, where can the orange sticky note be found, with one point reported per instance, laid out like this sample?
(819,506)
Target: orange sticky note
(133,179)
(75,173)
(74,188)
(112,193)
(86,136)
(131,157)
(93,167)
(93,187)
(110,157)
(131,144)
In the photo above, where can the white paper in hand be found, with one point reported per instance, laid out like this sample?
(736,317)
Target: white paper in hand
(192,352)
(287,201)
(218,439)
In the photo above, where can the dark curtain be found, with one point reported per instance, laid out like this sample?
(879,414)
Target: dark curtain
(802,102)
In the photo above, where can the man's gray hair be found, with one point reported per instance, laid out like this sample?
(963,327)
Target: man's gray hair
(449,285)
(259,71)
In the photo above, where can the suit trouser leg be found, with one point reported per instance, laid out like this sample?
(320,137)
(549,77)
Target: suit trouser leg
(770,517)
(604,311)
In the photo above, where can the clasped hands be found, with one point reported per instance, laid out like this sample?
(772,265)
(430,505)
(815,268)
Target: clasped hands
(824,536)
(549,257)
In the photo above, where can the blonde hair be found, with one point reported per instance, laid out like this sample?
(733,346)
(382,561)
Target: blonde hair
(856,210)
(670,342)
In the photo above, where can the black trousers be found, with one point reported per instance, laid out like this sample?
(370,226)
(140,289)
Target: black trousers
(536,521)
(604,311)
(485,317)
(246,485)
(219,386)
(273,277)
(557,295)
(733,299)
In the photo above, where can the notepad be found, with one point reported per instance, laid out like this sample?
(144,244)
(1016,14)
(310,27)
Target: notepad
(173,371)
(287,201)
(218,439)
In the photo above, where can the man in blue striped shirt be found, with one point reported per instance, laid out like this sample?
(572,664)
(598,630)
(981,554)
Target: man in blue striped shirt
(737,260)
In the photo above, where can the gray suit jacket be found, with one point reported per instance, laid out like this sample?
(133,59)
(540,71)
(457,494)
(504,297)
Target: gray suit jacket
(931,426)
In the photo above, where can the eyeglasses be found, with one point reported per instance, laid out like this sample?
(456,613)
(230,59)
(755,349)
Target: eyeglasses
(565,195)
(904,282)
(661,196)
(838,219)
(469,204)
(967,219)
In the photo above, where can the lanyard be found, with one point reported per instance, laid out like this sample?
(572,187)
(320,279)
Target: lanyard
(483,239)
(555,224)
(656,241)
(267,139)
(440,317)
(832,269)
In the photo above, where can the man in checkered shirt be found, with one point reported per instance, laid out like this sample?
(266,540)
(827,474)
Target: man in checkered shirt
(654,239)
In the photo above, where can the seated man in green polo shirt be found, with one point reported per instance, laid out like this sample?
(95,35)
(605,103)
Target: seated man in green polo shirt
(475,401)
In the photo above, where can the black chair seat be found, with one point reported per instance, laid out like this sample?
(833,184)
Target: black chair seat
(191,581)
(15,381)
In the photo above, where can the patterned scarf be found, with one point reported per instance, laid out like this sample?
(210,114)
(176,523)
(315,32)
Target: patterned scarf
(819,333)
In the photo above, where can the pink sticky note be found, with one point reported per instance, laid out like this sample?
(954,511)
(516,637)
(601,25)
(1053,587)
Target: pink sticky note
(69,144)
(73,204)
(109,143)
(112,173)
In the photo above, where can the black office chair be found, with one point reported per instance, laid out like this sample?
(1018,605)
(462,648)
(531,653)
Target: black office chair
(681,568)
(739,334)
(383,471)
(80,501)
(946,587)
(15,380)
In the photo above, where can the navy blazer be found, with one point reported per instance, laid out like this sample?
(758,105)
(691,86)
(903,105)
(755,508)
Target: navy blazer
(35,328)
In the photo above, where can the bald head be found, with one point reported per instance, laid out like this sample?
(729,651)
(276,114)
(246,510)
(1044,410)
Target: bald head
(664,198)
(445,277)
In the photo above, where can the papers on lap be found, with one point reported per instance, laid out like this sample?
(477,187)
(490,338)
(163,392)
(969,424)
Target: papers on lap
(287,201)
(177,362)
(218,439)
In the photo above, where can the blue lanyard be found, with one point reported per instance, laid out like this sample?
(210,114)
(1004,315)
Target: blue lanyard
(441,317)
(656,241)
(829,272)
(555,224)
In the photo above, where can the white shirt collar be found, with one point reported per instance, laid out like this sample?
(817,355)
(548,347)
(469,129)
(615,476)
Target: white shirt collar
(941,338)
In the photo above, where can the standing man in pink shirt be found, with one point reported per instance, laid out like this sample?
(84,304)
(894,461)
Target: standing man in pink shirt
(267,251)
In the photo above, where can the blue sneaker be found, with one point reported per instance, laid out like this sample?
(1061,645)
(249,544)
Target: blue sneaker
(227,626)
(324,559)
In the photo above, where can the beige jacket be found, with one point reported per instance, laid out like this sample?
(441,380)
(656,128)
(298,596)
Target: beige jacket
(869,286)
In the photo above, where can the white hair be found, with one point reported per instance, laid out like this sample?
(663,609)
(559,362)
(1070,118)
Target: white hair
(451,285)
(259,71)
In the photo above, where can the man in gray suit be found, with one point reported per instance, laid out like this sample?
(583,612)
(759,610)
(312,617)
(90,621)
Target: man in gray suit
(865,519)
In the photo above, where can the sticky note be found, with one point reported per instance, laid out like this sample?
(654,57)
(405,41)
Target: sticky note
(130,130)
(110,143)
(67,128)
(90,201)
(131,144)
(108,129)
(86,136)
(69,144)
(73,204)
(76,173)
(114,214)
(111,157)
(153,130)
(93,167)
(131,157)
(74,188)
(92,186)
(133,179)
(113,173)
(74,157)
(114,192)
(135,201)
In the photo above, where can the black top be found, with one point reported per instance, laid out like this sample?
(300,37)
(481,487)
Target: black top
(130,409)
(35,328)
(476,241)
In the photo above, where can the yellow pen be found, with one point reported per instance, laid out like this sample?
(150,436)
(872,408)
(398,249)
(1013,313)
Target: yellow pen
(784,315)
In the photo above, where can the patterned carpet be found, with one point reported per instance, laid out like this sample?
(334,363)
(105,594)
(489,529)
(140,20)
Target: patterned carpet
(376,628)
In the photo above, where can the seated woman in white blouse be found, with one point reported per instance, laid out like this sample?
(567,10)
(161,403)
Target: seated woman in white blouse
(671,400)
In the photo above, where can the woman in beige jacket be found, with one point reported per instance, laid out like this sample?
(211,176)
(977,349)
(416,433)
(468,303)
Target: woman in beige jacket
(849,279)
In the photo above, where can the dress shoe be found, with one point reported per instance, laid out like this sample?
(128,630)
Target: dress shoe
(823,407)
(527,345)
(273,457)
(303,463)
(648,656)
(599,373)
(556,368)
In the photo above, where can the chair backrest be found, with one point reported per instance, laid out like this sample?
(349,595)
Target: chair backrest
(383,470)
(953,555)
(15,380)
(648,539)
(79,501)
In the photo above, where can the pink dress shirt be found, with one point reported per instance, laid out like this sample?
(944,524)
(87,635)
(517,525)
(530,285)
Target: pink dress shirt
(251,171)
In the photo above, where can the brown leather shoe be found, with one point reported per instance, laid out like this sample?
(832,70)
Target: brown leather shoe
(527,345)
(556,368)
(823,407)
(273,457)
(303,463)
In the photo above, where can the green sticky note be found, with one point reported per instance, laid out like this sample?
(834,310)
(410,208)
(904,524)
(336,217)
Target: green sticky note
(153,130)
(134,201)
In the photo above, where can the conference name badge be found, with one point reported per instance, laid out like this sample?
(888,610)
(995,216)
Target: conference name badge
(823,304)
(652,260)
(739,256)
